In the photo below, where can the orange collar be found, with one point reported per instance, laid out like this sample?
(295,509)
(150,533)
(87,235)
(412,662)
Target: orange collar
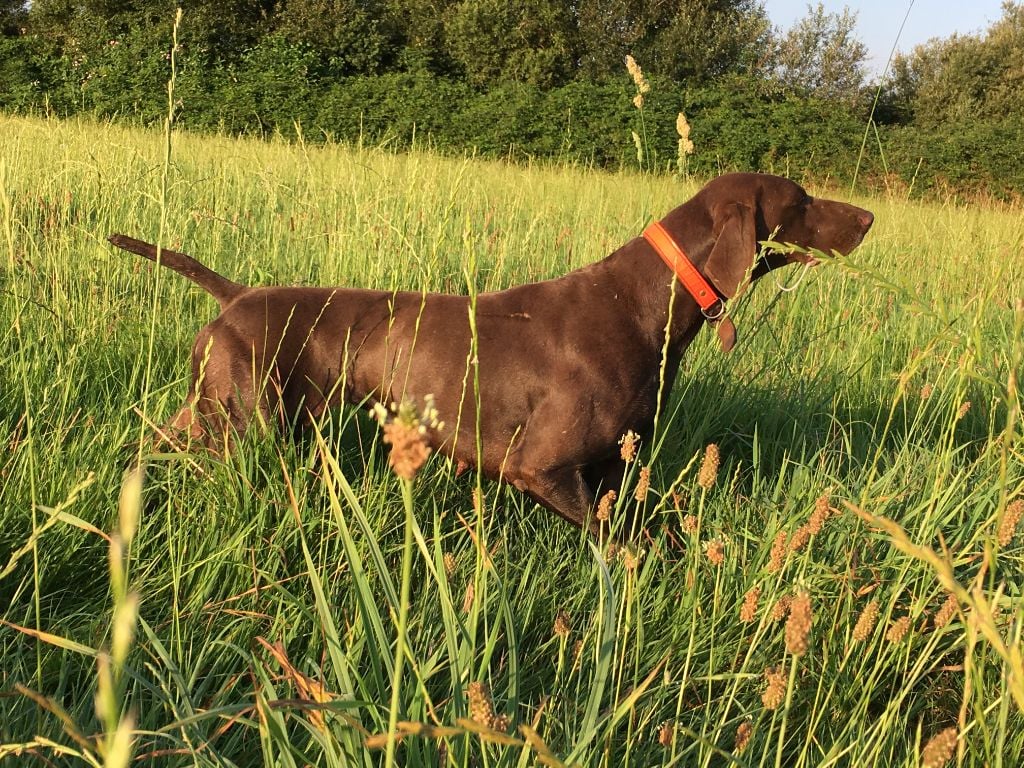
(672,254)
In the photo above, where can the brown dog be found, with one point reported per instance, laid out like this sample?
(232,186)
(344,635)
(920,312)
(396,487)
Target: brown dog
(564,367)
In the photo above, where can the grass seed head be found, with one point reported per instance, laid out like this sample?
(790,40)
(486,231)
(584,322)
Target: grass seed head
(781,607)
(715,551)
(1011,518)
(449,563)
(778,555)
(798,626)
(709,467)
(628,445)
(926,390)
(406,434)
(946,613)
(667,733)
(866,622)
(965,406)
(604,507)
(642,86)
(775,693)
(939,749)
(470,596)
(898,630)
(563,623)
(743,734)
(481,707)
(822,509)
(800,537)
(683,129)
(630,559)
(748,612)
(643,484)
(691,524)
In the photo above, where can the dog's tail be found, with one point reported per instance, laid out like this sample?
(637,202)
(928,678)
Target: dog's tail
(218,286)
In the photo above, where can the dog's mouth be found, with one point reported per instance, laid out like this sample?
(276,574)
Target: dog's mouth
(803,258)
(775,260)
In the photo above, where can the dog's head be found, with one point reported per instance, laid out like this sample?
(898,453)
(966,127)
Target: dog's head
(742,210)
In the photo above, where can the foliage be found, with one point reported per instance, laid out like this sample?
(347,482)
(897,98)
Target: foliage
(964,78)
(495,41)
(821,56)
(350,37)
(542,79)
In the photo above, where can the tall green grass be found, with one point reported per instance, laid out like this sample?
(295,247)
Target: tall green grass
(274,611)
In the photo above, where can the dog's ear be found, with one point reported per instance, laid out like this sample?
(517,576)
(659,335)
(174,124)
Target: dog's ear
(731,259)
(735,244)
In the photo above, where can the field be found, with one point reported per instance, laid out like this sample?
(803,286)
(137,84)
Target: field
(298,604)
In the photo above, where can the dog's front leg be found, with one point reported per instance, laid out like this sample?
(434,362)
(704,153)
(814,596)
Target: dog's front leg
(562,490)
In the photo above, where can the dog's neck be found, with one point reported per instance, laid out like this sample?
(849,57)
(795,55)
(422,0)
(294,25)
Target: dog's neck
(652,293)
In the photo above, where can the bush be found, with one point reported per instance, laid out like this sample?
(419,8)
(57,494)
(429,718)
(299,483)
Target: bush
(737,123)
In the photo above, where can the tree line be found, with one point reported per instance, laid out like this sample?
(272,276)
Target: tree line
(542,78)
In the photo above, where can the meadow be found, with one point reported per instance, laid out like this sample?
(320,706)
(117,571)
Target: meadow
(842,587)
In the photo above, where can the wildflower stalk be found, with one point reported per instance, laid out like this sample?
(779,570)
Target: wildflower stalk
(7,208)
(401,643)
(785,712)
(118,737)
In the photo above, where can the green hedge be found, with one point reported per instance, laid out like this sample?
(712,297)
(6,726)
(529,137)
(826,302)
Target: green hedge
(737,124)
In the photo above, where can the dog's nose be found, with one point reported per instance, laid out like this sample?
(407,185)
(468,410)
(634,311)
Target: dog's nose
(865,219)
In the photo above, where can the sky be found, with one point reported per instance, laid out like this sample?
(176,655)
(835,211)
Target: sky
(878,21)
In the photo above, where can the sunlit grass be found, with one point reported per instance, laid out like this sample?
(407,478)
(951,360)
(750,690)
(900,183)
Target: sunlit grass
(270,587)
